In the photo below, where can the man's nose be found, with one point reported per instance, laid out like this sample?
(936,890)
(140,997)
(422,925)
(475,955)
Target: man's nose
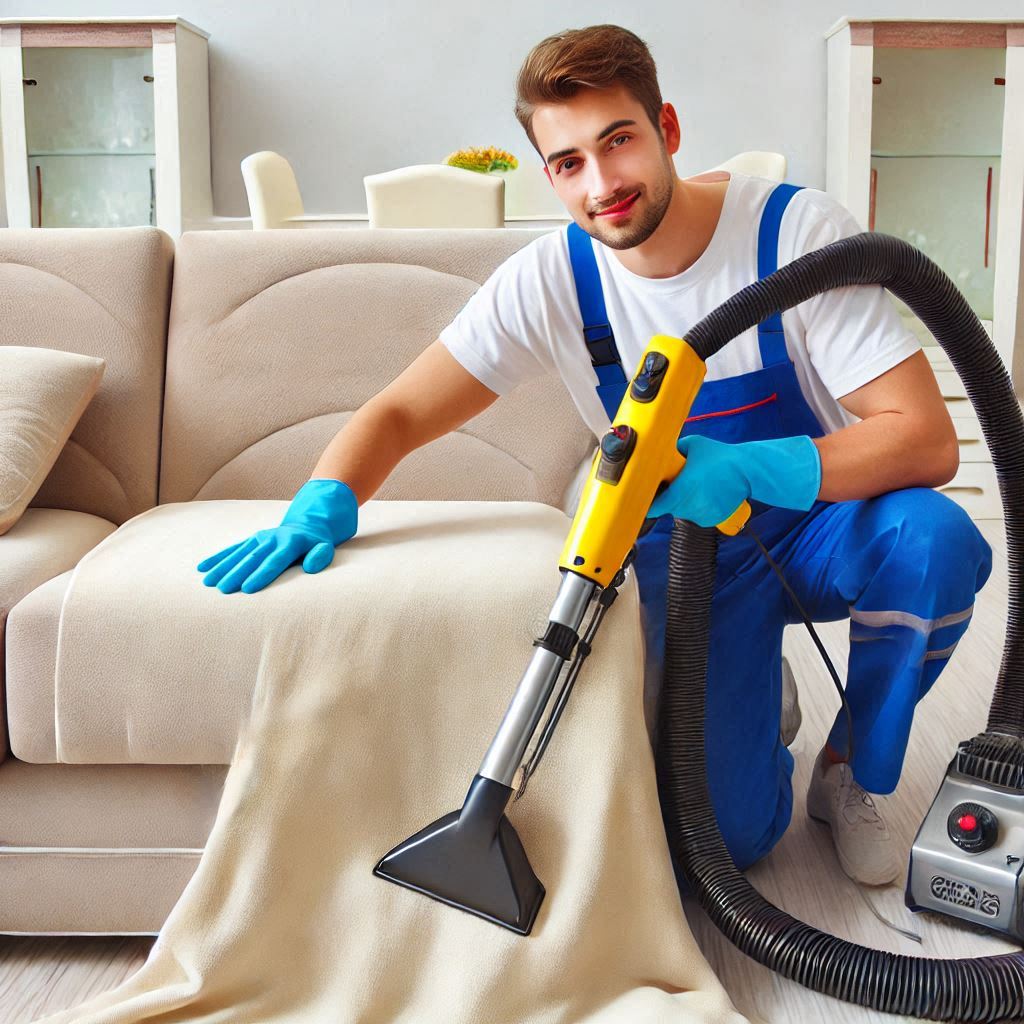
(604,186)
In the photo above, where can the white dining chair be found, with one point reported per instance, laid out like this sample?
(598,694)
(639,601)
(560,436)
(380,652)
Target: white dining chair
(435,196)
(274,198)
(759,163)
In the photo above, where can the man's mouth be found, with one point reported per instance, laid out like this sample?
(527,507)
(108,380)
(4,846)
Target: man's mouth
(619,208)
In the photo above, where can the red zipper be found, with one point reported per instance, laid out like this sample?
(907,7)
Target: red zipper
(730,412)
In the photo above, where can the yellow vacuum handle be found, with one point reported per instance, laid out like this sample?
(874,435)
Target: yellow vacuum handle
(636,457)
(736,521)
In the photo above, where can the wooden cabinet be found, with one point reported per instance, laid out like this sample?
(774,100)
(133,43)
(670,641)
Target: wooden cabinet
(926,142)
(105,123)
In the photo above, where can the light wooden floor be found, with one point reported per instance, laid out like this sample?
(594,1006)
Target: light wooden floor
(39,975)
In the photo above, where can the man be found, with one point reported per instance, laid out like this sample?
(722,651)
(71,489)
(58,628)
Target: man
(827,418)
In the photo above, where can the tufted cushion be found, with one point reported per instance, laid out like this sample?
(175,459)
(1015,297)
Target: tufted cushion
(278,337)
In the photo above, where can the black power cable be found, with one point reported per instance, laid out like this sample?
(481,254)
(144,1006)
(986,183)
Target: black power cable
(814,636)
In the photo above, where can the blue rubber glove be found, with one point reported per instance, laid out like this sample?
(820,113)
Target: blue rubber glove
(323,513)
(718,477)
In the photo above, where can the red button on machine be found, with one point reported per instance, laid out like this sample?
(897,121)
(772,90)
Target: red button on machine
(968,823)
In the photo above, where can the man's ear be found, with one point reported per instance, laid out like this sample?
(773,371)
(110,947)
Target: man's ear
(670,127)
(547,171)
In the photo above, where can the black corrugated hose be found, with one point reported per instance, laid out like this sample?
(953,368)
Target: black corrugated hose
(980,989)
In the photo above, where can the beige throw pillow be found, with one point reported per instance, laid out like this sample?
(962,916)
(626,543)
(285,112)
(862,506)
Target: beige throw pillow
(43,393)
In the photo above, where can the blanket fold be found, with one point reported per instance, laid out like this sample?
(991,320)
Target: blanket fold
(362,700)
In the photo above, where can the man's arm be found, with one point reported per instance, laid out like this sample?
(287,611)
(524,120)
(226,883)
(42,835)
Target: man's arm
(905,438)
(435,394)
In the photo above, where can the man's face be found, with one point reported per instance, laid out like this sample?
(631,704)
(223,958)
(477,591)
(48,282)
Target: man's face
(600,150)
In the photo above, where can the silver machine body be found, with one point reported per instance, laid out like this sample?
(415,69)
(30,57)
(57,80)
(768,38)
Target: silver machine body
(983,887)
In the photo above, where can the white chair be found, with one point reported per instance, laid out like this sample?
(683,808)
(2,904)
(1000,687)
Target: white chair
(757,162)
(273,192)
(435,196)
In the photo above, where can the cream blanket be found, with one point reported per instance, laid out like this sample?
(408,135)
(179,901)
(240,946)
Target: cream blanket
(376,686)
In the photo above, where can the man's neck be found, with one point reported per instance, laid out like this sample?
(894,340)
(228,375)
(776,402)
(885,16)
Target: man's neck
(685,231)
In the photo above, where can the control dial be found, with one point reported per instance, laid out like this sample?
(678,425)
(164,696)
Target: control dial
(972,827)
(616,447)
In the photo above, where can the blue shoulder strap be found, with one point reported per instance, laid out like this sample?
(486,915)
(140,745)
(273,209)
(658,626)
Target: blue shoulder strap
(770,339)
(597,332)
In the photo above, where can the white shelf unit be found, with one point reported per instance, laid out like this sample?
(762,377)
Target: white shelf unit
(926,142)
(105,122)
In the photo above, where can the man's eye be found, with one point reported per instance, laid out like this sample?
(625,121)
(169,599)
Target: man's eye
(564,165)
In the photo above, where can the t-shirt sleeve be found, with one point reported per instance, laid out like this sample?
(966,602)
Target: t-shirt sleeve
(852,334)
(498,335)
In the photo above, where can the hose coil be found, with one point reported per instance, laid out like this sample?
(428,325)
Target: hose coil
(974,989)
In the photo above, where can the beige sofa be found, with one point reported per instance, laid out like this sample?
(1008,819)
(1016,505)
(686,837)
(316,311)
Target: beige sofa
(232,359)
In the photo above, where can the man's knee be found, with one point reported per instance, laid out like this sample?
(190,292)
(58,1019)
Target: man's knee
(919,533)
(750,832)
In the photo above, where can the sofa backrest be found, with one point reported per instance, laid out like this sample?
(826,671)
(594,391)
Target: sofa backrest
(277,337)
(100,292)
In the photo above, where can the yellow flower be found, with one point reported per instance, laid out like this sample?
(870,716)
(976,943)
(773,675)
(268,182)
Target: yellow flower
(482,159)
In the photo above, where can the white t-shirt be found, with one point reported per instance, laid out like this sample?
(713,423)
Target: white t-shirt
(525,321)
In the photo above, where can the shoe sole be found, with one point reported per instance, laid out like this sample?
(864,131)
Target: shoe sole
(789,736)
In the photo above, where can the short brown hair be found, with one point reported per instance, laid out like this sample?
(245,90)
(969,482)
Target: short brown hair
(598,57)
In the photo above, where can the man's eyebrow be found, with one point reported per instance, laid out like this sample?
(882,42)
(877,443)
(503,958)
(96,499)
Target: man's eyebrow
(612,127)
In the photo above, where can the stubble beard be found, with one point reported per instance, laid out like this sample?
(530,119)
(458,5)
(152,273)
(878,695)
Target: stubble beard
(646,223)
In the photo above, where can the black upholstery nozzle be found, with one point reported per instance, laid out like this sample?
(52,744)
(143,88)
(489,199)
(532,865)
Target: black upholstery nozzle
(472,859)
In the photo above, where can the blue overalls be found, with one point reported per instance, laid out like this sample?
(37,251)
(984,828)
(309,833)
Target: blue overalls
(904,567)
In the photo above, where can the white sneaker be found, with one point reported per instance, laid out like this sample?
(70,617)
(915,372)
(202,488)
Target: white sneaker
(862,839)
(791,714)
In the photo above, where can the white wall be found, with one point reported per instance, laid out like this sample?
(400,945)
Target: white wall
(353,87)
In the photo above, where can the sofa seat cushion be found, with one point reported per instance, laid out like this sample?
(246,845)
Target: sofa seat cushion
(43,544)
(154,667)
